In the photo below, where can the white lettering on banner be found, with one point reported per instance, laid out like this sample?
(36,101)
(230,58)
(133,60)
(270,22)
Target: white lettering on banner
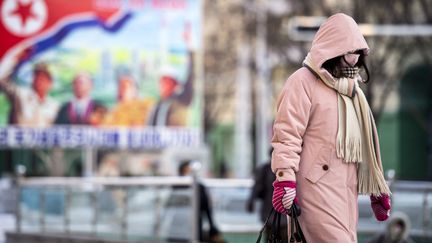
(123,138)
(29,137)
(75,137)
(137,137)
(10,134)
(3,138)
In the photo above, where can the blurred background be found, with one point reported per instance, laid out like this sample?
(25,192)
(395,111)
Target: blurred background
(103,101)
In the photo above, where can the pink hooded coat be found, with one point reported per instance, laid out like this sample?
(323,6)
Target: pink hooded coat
(304,141)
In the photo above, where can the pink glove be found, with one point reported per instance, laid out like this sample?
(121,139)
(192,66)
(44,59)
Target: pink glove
(284,194)
(381,207)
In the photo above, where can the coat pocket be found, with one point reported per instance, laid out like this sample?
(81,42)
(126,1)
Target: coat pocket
(321,165)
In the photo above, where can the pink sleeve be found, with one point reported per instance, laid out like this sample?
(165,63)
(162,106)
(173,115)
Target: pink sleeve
(293,109)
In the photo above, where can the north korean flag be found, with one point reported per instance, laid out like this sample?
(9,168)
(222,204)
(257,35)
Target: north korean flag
(28,27)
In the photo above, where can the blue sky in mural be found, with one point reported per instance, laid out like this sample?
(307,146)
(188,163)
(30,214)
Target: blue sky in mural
(144,30)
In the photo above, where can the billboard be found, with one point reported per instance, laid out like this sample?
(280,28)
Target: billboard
(100,73)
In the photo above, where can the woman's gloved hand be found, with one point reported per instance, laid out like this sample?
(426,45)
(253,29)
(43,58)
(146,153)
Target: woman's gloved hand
(284,195)
(381,207)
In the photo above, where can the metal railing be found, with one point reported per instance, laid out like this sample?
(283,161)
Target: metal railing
(425,189)
(94,185)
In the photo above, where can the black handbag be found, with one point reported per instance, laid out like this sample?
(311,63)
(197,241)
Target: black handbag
(296,233)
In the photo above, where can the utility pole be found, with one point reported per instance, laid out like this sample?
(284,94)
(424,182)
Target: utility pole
(262,113)
(243,125)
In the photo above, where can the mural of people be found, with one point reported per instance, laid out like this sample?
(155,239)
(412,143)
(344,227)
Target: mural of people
(144,38)
(82,109)
(31,106)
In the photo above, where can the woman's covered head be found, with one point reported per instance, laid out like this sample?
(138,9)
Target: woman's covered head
(339,47)
(347,65)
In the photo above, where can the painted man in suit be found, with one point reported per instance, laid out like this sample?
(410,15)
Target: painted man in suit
(81,109)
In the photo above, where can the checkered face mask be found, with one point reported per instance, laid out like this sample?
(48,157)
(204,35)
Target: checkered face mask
(349,72)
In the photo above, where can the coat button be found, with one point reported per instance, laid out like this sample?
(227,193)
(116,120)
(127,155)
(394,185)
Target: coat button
(325,167)
(280,174)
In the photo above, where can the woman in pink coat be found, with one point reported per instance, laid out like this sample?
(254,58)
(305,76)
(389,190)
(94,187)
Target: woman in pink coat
(326,148)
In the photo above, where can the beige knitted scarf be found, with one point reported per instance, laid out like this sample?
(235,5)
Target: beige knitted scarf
(357,137)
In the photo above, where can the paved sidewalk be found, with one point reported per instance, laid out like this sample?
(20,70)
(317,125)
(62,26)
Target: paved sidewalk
(7,223)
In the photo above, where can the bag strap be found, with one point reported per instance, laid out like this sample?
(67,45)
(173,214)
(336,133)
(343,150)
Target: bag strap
(264,226)
(275,227)
(292,230)
(300,231)
(275,233)
(278,229)
(298,235)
